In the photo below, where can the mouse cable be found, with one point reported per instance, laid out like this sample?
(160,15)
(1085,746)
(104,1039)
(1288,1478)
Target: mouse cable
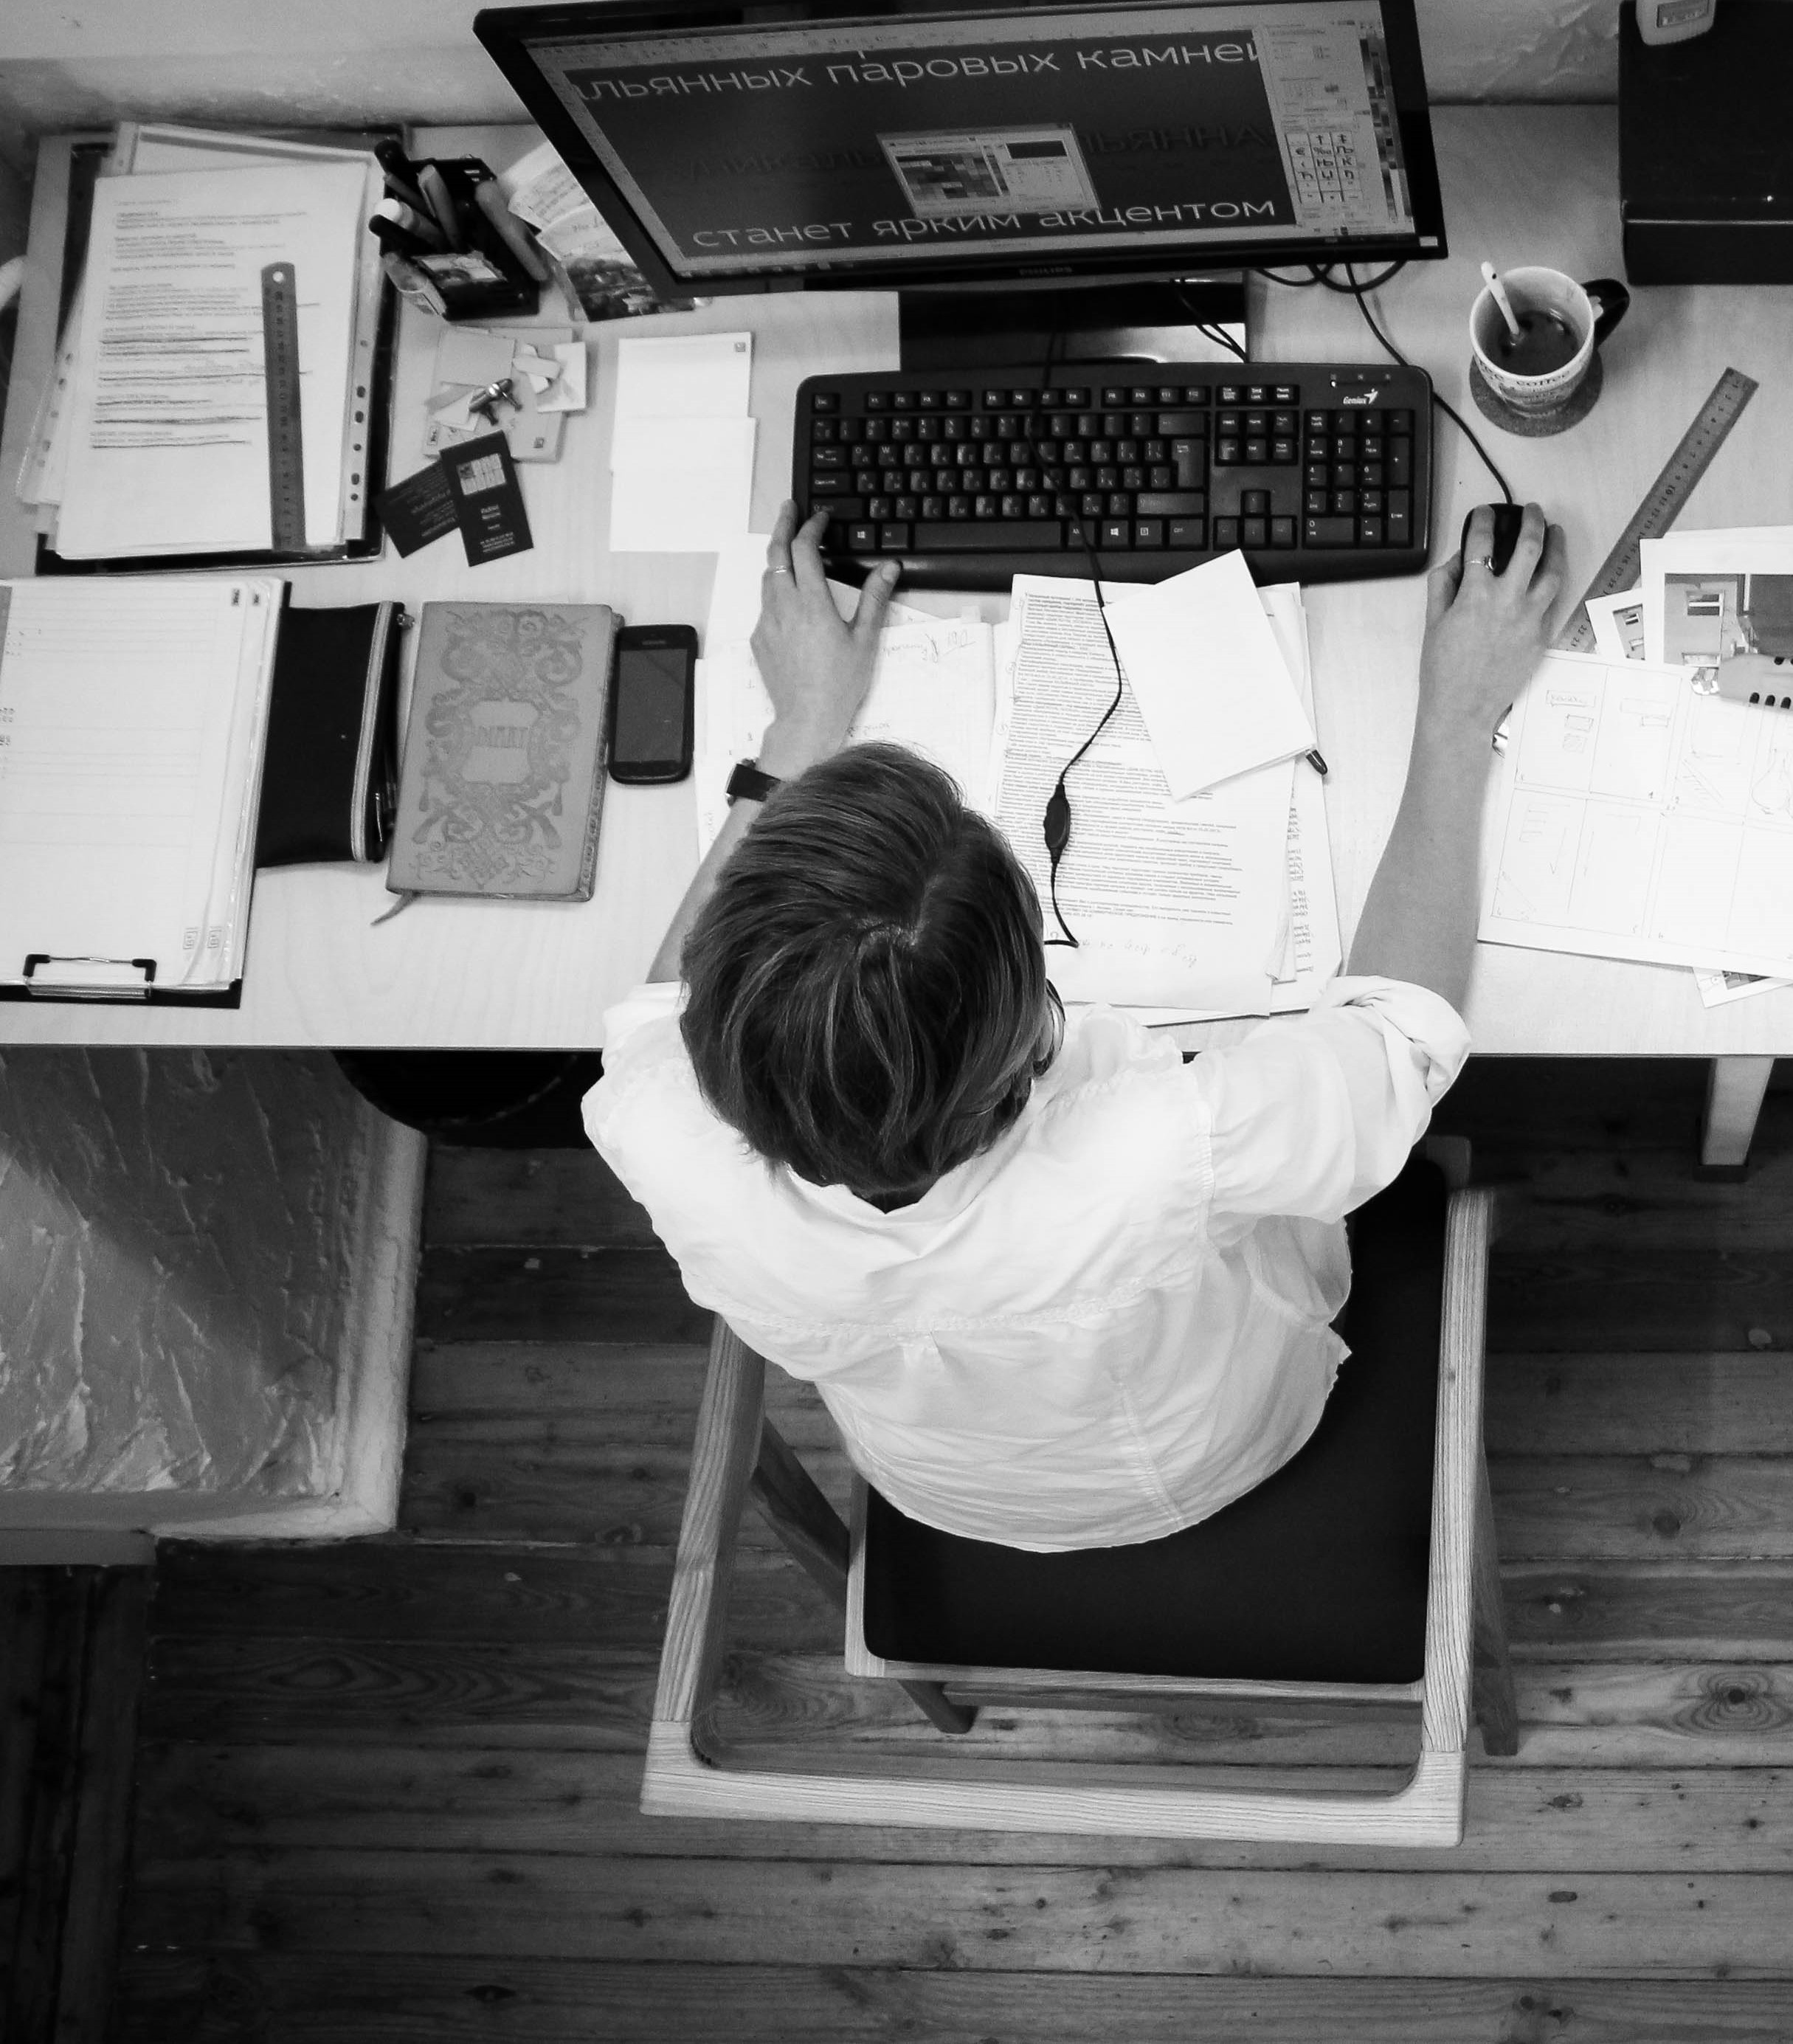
(1357,290)
(1056,824)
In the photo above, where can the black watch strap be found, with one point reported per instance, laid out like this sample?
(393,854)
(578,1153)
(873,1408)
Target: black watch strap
(747,780)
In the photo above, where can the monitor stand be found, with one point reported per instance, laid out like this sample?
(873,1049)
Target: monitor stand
(946,326)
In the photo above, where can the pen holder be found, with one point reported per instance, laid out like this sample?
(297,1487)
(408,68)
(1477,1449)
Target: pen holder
(482,276)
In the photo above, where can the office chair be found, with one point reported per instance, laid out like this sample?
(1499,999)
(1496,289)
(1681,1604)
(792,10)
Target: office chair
(1182,1620)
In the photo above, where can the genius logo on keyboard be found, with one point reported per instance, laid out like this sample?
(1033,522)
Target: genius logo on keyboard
(1365,398)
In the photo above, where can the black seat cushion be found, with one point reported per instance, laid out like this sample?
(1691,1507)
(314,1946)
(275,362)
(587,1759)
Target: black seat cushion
(1318,1575)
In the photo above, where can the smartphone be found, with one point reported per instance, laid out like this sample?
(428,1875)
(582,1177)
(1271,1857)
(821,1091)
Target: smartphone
(652,686)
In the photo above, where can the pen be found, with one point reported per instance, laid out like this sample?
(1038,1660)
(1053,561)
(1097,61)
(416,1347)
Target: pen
(1317,762)
(417,227)
(434,188)
(395,241)
(490,200)
(400,188)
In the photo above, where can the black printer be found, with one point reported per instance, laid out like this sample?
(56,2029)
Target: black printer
(1706,149)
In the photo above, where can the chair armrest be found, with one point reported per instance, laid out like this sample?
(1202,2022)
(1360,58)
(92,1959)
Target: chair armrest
(1457,1471)
(723,1457)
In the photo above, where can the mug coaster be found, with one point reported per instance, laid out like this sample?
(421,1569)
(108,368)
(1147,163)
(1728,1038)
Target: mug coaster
(1537,425)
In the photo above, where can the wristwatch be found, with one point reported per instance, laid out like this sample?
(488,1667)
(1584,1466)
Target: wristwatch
(747,780)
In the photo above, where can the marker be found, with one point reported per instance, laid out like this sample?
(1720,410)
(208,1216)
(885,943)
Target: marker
(395,241)
(418,227)
(435,189)
(1317,763)
(490,200)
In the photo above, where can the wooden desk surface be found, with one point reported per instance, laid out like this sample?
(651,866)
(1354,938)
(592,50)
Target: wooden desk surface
(1521,184)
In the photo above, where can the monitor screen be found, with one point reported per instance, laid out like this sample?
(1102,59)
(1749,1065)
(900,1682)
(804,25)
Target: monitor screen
(734,149)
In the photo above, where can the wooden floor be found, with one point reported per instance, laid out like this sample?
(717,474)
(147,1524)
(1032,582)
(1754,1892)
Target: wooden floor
(387,1791)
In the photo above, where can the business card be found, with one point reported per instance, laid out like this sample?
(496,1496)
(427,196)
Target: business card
(488,500)
(418,510)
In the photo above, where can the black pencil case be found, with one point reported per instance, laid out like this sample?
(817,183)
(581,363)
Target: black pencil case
(330,767)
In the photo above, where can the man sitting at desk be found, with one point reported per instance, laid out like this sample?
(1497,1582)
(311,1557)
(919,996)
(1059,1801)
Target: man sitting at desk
(1057,1288)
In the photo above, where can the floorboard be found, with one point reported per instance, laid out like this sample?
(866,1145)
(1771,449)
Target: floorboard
(387,1791)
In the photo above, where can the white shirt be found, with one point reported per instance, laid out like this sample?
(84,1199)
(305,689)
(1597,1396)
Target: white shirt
(1110,1324)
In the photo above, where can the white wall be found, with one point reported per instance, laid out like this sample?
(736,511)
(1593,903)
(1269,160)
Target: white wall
(69,62)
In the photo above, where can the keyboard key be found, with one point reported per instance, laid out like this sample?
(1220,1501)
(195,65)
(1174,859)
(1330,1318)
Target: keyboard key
(1075,400)
(902,431)
(932,508)
(1114,424)
(1148,532)
(1225,532)
(861,539)
(1328,532)
(1101,450)
(1284,394)
(878,509)
(1257,453)
(1283,423)
(1107,477)
(824,401)
(1255,503)
(1230,393)
(902,400)
(1039,504)
(1254,532)
(1314,504)
(1160,476)
(1168,394)
(957,508)
(1014,505)
(1400,464)
(1282,532)
(1119,504)
(1231,423)
(1282,454)
(1344,475)
(877,431)
(878,401)
(1344,503)
(1023,401)
(1091,505)
(1188,532)
(1190,425)
(1372,473)
(1371,447)
(959,401)
(953,431)
(1371,500)
(1171,504)
(928,430)
(1398,524)
(1197,393)
(1061,426)
(1189,458)
(1401,422)
(1316,475)
(828,457)
(927,400)
(906,507)
(825,484)
(1226,453)
(1139,394)
(1114,394)
(994,401)
(1258,425)
(844,510)
(1257,394)
(1027,535)
(893,539)
(1115,532)
(822,433)
(1127,451)
(1133,478)
(986,506)
(851,430)
(1369,532)
(1139,424)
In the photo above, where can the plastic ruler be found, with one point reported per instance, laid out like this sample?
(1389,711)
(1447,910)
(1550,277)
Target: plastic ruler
(285,452)
(1662,502)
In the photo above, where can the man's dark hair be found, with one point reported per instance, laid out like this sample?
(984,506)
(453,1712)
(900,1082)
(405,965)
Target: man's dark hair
(868,997)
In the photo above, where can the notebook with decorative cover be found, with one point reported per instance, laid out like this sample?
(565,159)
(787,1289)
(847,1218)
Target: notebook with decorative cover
(501,786)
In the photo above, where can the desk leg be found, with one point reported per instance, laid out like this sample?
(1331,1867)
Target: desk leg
(1733,1098)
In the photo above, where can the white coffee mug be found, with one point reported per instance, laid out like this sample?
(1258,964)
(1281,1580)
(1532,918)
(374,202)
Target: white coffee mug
(1590,311)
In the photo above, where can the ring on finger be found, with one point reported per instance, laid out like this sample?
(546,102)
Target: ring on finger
(1480,561)
(775,569)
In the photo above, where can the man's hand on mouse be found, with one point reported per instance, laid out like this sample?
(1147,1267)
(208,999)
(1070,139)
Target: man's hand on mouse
(1486,633)
(816,667)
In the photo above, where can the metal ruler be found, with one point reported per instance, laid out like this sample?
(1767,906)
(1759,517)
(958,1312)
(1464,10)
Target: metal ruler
(1662,502)
(285,452)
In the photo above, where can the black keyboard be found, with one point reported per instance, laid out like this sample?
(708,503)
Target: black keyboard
(1319,471)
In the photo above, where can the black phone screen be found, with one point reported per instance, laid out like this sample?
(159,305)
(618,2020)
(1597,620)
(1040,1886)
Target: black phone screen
(652,682)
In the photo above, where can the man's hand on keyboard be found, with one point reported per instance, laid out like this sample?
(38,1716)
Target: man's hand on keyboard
(1485,633)
(816,667)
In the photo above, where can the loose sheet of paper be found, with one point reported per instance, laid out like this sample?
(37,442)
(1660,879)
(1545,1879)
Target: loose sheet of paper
(169,444)
(1210,681)
(1636,819)
(131,719)
(1618,625)
(933,688)
(682,449)
(1179,904)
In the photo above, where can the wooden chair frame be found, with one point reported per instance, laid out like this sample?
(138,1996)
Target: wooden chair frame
(689,1771)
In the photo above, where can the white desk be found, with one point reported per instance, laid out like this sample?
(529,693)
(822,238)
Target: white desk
(1520,184)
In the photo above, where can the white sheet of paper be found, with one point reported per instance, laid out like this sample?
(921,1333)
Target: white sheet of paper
(933,688)
(1173,903)
(1210,683)
(169,445)
(1637,819)
(684,376)
(134,708)
(1719,989)
(680,485)
(539,188)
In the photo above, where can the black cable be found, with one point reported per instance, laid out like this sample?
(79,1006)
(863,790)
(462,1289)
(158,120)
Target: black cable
(1451,412)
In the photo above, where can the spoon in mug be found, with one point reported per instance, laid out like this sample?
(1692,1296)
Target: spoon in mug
(1498,290)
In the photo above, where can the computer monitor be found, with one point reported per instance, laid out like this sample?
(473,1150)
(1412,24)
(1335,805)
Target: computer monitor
(813,145)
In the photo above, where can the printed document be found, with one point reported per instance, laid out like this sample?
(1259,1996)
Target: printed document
(1177,904)
(1638,819)
(168,449)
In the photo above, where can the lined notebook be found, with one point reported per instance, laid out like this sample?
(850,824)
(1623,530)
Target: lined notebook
(132,711)
(501,786)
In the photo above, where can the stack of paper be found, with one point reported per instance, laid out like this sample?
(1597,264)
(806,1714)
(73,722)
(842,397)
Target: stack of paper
(154,437)
(132,711)
(1641,814)
(681,450)
(1218,903)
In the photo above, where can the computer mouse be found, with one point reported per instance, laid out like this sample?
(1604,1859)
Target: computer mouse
(1507,520)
